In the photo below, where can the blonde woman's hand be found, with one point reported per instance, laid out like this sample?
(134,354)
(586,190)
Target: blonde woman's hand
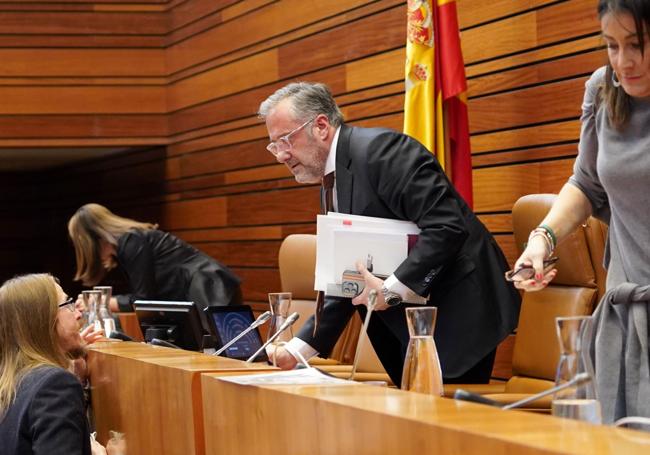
(89,335)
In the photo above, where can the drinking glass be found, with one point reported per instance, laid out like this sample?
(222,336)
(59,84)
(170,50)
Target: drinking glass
(280,303)
(91,300)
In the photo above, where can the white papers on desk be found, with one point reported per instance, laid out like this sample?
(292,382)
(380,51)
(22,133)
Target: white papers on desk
(303,376)
(342,240)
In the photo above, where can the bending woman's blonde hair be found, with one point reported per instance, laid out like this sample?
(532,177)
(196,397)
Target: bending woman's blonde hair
(87,227)
(28,337)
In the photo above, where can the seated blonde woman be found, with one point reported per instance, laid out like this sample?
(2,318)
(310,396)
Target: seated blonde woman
(41,402)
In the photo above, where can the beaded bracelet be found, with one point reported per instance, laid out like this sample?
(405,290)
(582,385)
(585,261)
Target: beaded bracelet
(550,233)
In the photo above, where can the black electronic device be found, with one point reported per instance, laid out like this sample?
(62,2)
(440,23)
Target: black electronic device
(175,322)
(227,322)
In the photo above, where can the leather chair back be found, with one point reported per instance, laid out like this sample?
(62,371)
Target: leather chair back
(574,291)
(297,262)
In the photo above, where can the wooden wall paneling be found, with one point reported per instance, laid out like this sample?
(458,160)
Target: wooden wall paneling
(473,13)
(233,77)
(271,20)
(557,100)
(335,46)
(532,56)
(534,74)
(519,156)
(296,205)
(557,22)
(80,126)
(295,34)
(244,253)
(82,23)
(82,100)
(258,282)
(82,41)
(82,62)
(526,136)
(497,188)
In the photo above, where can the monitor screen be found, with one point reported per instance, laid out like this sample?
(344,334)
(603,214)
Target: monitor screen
(176,322)
(229,321)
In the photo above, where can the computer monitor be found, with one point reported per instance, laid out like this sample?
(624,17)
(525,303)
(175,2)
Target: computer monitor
(226,322)
(176,322)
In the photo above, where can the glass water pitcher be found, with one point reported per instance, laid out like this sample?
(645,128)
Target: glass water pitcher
(577,401)
(422,367)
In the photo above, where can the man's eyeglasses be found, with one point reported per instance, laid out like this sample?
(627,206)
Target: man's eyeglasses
(526,272)
(283,144)
(68,304)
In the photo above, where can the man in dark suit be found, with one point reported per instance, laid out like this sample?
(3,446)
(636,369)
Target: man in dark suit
(455,265)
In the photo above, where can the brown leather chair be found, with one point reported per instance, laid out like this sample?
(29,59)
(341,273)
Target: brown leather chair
(297,262)
(574,291)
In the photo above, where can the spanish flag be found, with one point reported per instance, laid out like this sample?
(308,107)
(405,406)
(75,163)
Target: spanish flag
(435,106)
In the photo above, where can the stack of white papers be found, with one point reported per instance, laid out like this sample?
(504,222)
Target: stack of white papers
(304,376)
(342,240)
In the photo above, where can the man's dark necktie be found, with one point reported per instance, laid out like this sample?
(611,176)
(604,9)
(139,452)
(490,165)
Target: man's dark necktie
(327,205)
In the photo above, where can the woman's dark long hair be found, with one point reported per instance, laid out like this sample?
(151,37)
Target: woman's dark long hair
(615,98)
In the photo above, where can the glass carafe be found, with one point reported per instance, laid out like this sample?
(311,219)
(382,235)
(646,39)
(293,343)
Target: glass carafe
(577,401)
(422,367)
(90,315)
(104,309)
(280,303)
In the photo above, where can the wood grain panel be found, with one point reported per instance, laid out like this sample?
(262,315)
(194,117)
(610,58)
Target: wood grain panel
(511,109)
(497,189)
(258,282)
(581,64)
(82,100)
(232,157)
(81,62)
(244,254)
(526,136)
(335,46)
(194,213)
(225,80)
(269,21)
(298,205)
(60,126)
(532,56)
(472,13)
(518,156)
(83,23)
(378,69)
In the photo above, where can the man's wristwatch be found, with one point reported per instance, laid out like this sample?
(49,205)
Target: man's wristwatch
(391,298)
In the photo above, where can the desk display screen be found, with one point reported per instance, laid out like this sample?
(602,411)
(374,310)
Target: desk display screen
(232,323)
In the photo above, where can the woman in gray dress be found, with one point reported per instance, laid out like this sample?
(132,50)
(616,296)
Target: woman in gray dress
(611,180)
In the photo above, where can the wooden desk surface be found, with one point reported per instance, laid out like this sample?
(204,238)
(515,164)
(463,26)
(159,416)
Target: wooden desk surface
(376,420)
(153,394)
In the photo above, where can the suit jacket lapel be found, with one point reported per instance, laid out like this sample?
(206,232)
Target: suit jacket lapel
(344,178)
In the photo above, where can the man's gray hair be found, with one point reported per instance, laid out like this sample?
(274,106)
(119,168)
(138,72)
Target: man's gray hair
(307,101)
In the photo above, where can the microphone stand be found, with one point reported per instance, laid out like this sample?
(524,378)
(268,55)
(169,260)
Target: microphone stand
(293,317)
(262,318)
(372,301)
(579,379)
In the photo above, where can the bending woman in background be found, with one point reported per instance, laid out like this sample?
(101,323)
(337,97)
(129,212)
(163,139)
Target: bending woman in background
(611,180)
(41,403)
(158,265)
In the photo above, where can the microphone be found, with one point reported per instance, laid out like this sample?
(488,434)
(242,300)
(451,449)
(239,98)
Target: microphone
(261,319)
(372,301)
(579,379)
(119,336)
(167,344)
(293,317)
